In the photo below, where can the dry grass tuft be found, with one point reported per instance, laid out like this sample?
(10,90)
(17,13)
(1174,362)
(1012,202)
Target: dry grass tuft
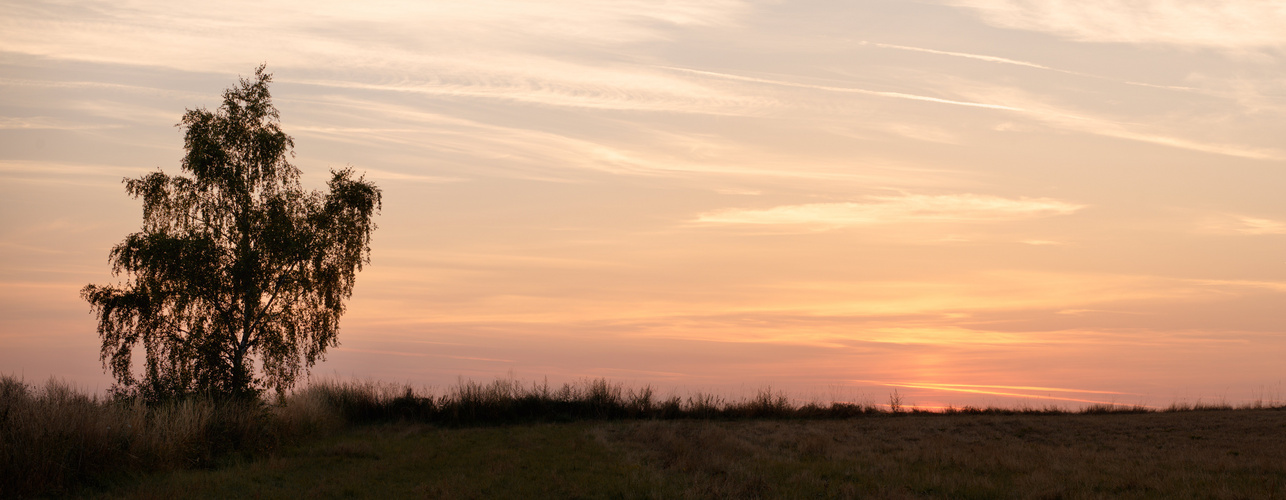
(55,438)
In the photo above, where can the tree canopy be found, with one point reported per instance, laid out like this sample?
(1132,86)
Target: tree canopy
(235,263)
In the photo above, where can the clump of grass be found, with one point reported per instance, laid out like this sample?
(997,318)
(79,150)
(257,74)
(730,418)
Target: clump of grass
(1200,406)
(1100,408)
(54,438)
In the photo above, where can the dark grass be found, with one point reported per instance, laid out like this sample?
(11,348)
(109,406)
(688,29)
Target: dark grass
(1189,454)
(1182,454)
(56,441)
(408,460)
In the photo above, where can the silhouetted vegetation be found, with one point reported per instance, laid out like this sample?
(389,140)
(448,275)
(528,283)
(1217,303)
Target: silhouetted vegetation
(234,265)
(55,439)
(507,401)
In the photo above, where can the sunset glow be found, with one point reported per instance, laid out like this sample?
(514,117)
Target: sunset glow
(972,202)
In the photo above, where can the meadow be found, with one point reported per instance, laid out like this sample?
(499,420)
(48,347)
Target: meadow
(597,439)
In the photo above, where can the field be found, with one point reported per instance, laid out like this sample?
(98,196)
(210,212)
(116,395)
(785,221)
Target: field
(1194,454)
(331,443)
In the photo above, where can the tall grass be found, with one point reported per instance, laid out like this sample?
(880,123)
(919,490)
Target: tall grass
(54,439)
(506,401)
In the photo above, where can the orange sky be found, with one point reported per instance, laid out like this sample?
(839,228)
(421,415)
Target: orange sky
(969,201)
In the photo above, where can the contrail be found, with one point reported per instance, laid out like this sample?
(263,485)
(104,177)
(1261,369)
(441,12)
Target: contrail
(1015,62)
(979,57)
(895,95)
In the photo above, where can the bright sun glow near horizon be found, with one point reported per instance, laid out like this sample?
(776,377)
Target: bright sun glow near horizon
(971,202)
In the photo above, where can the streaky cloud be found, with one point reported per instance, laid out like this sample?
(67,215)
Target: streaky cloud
(1058,117)
(540,154)
(1276,286)
(568,85)
(548,53)
(78,84)
(421,354)
(46,123)
(1007,393)
(1007,387)
(899,209)
(62,170)
(1242,224)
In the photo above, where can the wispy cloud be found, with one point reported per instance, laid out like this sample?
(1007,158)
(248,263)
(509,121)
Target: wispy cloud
(1255,225)
(63,170)
(1243,24)
(284,27)
(421,354)
(1233,285)
(508,150)
(1005,387)
(551,82)
(558,53)
(1241,224)
(92,85)
(896,210)
(47,123)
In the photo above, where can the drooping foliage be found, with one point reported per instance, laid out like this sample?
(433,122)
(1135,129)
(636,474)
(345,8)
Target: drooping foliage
(236,263)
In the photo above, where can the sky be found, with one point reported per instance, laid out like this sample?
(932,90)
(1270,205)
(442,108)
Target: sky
(969,202)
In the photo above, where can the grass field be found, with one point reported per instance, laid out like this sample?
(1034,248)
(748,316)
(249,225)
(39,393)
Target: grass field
(1191,454)
(598,440)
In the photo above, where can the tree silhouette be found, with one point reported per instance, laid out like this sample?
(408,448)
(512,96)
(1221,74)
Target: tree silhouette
(234,264)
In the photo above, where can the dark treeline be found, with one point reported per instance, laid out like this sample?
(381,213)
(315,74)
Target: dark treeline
(56,440)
